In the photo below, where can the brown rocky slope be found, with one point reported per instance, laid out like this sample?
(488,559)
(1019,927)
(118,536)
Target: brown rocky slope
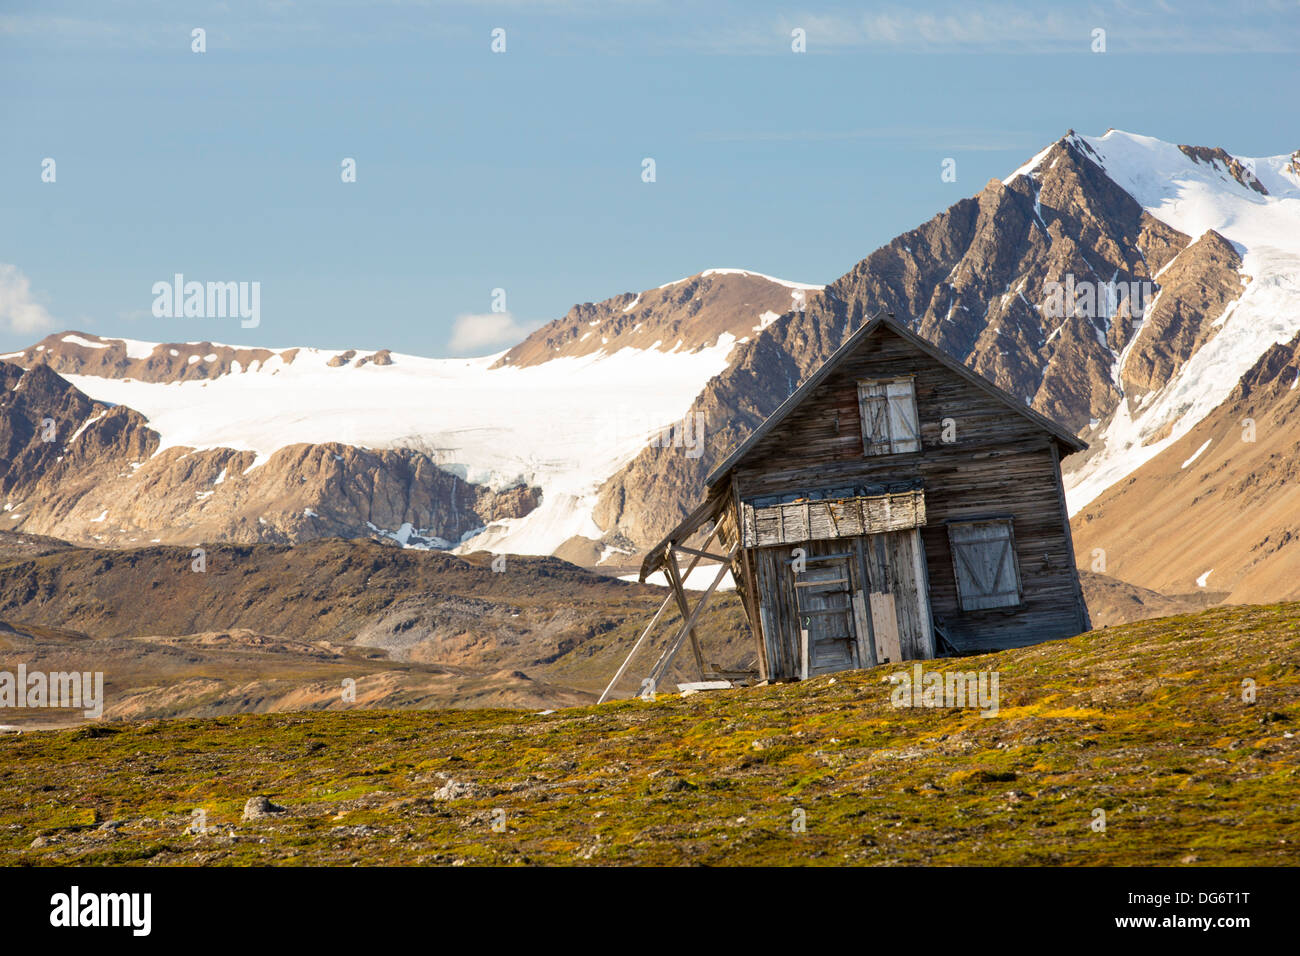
(1223,501)
(91,473)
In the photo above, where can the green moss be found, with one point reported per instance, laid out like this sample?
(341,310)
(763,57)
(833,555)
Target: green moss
(1145,722)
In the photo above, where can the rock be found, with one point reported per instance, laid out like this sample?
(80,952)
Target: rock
(258,807)
(359,830)
(459,790)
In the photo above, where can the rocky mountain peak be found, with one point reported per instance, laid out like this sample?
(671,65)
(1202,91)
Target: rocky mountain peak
(689,314)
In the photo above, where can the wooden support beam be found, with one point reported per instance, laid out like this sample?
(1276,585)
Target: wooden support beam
(628,660)
(674,546)
(671,651)
(718,673)
(753,606)
(676,581)
(698,554)
(674,576)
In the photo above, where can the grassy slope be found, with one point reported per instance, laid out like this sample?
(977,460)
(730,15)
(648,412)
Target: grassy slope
(1145,721)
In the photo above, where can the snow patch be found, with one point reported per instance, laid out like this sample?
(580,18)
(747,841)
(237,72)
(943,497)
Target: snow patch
(745,272)
(84,343)
(1196,454)
(135,349)
(84,425)
(1029,166)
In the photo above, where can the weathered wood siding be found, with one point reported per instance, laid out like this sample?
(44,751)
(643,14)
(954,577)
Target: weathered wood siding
(840,517)
(1001,464)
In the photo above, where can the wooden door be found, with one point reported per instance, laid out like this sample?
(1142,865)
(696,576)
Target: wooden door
(893,565)
(824,601)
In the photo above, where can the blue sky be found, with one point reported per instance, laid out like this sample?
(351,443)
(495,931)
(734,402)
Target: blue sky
(522,170)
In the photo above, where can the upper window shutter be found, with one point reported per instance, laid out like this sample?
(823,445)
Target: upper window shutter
(984,560)
(903,427)
(889,419)
(874,408)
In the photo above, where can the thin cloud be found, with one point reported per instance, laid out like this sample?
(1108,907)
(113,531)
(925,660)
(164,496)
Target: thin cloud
(485,331)
(19,312)
(952,27)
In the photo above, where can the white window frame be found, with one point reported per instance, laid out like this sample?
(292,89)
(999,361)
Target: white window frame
(890,422)
(985,564)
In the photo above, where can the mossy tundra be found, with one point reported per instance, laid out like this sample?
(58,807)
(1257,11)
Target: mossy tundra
(1152,723)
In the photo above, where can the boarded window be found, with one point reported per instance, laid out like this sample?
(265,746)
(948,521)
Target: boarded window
(890,424)
(984,559)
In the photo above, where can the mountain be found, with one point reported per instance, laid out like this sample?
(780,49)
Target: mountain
(96,473)
(1135,290)
(1207,244)
(693,312)
(292,444)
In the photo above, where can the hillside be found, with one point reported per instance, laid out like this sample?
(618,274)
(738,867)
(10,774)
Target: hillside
(271,627)
(1145,722)
(1219,508)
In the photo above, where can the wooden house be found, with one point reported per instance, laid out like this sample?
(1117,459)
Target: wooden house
(896,506)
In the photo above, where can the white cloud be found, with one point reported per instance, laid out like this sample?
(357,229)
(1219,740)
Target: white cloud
(1010,26)
(19,312)
(487,330)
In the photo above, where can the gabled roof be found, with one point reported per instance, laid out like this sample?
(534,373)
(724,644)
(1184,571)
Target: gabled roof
(886,320)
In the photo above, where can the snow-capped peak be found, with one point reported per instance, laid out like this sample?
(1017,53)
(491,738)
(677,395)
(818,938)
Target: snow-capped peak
(746,272)
(1254,203)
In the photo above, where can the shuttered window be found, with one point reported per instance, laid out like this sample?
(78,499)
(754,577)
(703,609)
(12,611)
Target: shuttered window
(890,425)
(984,559)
